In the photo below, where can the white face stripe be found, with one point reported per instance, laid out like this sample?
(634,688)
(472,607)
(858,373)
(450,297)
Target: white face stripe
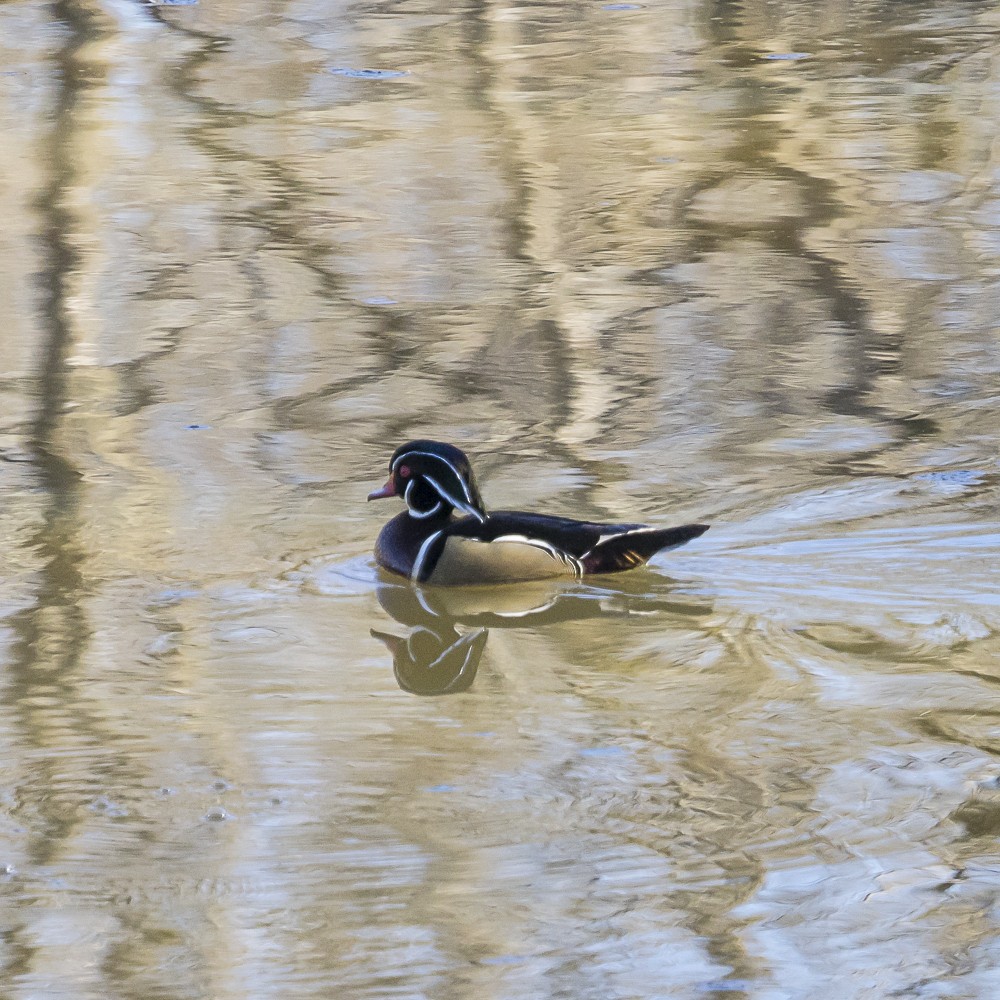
(418,564)
(457,504)
(413,510)
(421,514)
(430,454)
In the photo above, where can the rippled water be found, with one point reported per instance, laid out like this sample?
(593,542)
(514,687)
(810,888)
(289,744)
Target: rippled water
(726,262)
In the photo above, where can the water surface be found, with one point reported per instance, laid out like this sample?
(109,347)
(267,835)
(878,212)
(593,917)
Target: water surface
(726,262)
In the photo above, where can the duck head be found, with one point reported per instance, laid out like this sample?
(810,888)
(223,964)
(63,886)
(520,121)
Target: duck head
(434,479)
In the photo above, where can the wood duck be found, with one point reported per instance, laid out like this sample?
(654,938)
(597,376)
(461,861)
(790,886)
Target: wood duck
(447,536)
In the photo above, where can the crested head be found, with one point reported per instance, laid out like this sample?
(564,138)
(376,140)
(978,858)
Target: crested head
(440,450)
(434,478)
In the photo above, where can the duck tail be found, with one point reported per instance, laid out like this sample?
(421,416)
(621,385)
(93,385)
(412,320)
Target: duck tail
(635,547)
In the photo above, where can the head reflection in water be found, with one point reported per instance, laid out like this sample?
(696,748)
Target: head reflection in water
(435,660)
(450,627)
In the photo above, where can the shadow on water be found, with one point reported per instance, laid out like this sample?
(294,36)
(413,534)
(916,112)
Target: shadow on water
(449,628)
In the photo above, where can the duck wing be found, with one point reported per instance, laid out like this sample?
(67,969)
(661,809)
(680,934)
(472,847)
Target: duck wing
(584,546)
(572,537)
(627,549)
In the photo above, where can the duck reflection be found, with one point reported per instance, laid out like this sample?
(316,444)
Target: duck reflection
(438,660)
(449,627)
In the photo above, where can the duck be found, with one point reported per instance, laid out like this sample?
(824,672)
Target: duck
(448,537)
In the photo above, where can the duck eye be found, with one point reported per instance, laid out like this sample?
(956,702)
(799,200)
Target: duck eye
(404,471)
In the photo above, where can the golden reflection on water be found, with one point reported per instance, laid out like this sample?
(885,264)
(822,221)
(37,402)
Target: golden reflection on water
(690,261)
